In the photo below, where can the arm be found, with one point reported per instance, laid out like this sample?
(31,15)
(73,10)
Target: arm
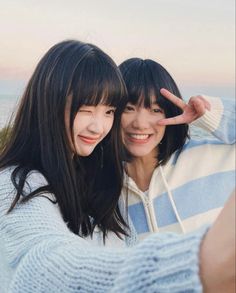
(46,257)
(214,115)
(217,254)
(220,120)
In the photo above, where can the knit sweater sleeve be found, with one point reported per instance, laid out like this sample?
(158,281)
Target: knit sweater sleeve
(220,120)
(46,257)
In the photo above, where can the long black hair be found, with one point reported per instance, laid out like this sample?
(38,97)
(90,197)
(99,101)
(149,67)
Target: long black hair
(144,79)
(86,189)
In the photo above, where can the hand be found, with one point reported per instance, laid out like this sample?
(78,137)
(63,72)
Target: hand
(217,253)
(195,108)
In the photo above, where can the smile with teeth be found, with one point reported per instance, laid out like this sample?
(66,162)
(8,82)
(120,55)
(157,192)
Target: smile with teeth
(139,136)
(134,137)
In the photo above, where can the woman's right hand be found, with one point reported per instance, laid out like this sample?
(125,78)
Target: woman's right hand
(194,109)
(217,253)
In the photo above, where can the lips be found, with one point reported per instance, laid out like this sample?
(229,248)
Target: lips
(88,140)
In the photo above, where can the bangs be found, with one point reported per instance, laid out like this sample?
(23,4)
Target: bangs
(97,81)
(143,92)
(140,84)
(144,80)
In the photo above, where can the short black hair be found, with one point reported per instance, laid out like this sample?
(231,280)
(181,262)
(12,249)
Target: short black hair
(144,79)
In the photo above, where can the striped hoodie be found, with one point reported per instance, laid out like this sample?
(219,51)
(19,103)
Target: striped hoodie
(191,189)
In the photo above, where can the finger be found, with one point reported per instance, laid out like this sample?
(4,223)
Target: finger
(174,99)
(172,121)
(199,104)
(207,104)
(199,107)
(200,99)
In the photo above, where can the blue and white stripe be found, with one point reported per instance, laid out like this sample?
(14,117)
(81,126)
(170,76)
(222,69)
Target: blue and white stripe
(200,179)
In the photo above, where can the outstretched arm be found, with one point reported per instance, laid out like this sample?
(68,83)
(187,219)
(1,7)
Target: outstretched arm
(44,256)
(217,254)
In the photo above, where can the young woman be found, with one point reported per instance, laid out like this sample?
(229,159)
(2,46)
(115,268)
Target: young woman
(60,179)
(174,183)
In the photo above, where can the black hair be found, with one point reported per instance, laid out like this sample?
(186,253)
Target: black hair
(144,79)
(86,189)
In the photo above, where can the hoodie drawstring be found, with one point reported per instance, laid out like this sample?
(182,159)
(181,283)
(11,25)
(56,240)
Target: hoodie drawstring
(172,200)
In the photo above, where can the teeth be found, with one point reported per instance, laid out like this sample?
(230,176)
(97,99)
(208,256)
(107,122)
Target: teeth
(140,136)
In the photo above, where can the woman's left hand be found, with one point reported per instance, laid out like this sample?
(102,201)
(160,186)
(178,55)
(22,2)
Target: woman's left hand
(195,108)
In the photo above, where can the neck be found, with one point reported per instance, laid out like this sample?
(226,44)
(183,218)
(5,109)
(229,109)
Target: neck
(141,170)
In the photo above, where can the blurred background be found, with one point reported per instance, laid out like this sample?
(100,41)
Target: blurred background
(193,40)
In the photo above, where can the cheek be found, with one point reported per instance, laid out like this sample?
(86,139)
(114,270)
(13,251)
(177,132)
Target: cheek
(78,121)
(108,126)
(81,122)
(124,121)
(159,129)
(162,131)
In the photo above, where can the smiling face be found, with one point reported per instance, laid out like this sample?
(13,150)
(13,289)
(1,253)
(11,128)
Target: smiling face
(91,125)
(141,133)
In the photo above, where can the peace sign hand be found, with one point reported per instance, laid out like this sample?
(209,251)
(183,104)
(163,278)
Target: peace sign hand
(195,108)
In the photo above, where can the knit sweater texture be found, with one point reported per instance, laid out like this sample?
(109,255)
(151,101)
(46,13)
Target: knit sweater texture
(38,253)
(191,189)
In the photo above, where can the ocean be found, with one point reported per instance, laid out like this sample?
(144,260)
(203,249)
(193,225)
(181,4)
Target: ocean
(8,105)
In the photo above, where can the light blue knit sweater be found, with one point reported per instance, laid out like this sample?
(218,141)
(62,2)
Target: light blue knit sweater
(38,253)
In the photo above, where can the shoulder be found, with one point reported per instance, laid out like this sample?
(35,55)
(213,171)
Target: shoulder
(34,180)
(201,142)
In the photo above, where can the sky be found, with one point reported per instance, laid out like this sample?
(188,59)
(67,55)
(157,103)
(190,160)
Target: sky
(193,40)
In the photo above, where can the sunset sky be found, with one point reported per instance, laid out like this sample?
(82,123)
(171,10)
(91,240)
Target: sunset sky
(194,40)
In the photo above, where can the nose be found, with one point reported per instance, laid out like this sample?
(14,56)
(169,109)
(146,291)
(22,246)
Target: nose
(96,125)
(141,120)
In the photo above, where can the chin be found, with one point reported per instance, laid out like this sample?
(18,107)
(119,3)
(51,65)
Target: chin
(138,154)
(85,153)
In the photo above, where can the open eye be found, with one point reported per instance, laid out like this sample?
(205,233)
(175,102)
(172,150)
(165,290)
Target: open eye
(111,111)
(157,110)
(129,108)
